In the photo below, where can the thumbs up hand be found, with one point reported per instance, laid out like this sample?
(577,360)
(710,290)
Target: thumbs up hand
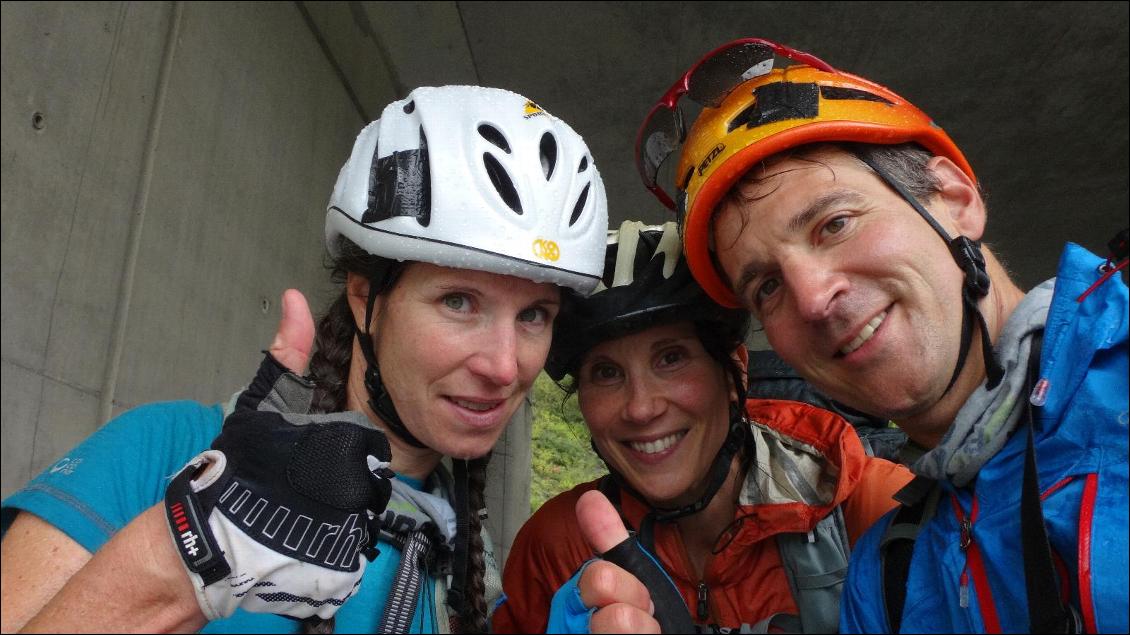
(294,338)
(624,590)
(623,604)
(275,517)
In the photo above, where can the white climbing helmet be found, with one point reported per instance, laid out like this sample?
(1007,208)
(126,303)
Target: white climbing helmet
(474,178)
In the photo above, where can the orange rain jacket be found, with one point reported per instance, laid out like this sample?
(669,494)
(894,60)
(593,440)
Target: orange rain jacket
(745,583)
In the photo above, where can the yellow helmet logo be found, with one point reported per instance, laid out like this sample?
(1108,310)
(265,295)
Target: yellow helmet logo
(532,110)
(547,250)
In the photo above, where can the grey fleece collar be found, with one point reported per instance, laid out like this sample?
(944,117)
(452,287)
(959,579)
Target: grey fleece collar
(984,423)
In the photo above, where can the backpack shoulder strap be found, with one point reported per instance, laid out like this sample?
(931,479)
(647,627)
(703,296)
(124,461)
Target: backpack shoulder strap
(816,565)
(919,499)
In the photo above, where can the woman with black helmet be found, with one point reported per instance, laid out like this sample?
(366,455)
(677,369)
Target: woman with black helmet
(749,505)
(454,224)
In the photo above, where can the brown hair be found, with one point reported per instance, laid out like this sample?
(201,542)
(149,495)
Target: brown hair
(905,163)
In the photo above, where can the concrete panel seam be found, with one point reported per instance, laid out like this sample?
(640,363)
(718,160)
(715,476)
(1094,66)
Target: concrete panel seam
(35,426)
(336,66)
(103,96)
(93,392)
(141,200)
(467,40)
(366,26)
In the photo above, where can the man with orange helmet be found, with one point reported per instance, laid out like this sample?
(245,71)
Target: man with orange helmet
(816,199)
(802,195)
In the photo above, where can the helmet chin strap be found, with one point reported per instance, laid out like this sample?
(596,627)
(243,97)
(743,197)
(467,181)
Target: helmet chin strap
(379,399)
(719,470)
(381,402)
(967,254)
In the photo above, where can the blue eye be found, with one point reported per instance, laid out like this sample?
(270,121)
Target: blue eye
(457,302)
(534,314)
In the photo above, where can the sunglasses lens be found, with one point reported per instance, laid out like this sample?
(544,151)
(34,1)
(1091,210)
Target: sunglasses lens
(661,136)
(721,73)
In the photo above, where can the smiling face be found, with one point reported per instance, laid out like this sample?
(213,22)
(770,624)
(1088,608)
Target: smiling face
(854,289)
(657,406)
(458,350)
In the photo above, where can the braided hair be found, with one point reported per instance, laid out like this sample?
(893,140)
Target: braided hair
(476,571)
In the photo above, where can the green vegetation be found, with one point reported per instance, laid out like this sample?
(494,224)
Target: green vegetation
(561,455)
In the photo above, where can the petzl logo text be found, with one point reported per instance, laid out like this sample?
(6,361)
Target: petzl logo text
(713,154)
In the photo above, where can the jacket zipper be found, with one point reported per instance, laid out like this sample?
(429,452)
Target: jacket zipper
(965,540)
(702,592)
(975,568)
(1086,519)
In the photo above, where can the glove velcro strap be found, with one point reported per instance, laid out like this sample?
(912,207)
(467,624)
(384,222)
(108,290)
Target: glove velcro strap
(670,610)
(192,535)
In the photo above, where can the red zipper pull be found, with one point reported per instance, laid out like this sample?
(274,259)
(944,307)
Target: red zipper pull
(1039,395)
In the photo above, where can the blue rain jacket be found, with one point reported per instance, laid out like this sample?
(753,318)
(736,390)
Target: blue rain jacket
(1081,449)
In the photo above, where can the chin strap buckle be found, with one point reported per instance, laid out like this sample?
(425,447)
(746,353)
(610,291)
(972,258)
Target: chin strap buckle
(968,255)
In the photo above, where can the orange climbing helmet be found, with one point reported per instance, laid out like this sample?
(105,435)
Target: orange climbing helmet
(753,111)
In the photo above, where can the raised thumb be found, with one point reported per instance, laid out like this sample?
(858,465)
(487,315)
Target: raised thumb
(600,524)
(294,338)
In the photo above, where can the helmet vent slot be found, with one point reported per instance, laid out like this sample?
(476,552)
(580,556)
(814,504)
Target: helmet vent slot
(494,135)
(410,107)
(837,92)
(502,183)
(584,165)
(548,148)
(580,206)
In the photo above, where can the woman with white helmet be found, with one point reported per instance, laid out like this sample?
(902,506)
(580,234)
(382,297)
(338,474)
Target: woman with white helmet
(452,226)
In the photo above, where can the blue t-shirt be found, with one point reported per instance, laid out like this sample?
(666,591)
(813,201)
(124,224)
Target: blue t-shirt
(122,470)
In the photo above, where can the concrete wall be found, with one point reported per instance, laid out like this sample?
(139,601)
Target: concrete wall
(153,211)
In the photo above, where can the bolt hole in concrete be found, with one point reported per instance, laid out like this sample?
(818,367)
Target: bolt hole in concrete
(265,304)
(38,121)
